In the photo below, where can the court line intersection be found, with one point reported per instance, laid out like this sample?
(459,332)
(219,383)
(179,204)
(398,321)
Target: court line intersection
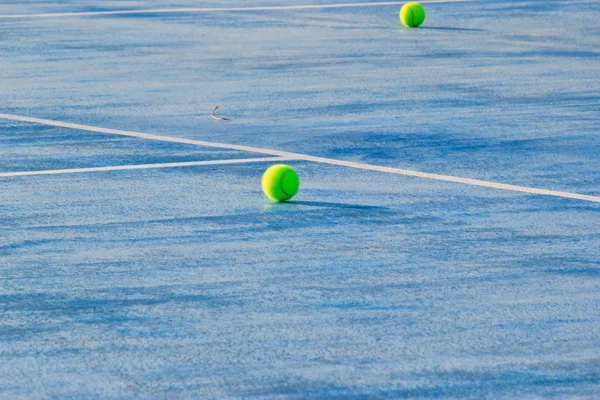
(305,157)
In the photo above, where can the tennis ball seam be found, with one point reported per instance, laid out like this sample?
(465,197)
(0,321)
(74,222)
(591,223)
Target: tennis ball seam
(412,17)
(281,180)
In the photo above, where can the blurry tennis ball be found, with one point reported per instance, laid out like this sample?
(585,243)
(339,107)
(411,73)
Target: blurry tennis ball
(280,182)
(412,14)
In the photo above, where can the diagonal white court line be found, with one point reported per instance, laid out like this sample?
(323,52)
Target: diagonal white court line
(144,166)
(218,9)
(305,157)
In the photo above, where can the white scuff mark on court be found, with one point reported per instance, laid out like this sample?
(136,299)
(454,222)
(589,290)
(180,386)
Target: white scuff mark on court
(296,156)
(217,9)
(213,116)
(143,166)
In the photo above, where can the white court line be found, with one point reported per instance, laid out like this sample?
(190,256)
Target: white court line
(305,157)
(218,9)
(144,166)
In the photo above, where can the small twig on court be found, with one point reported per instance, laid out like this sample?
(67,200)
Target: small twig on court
(218,118)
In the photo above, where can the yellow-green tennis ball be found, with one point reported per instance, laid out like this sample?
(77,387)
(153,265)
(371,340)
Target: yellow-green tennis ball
(280,182)
(412,14)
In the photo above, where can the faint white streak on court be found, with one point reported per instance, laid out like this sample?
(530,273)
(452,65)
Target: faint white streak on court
(143,166)
(304,157)
(217,9)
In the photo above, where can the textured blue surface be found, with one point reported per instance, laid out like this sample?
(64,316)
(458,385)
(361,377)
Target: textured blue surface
(188,283)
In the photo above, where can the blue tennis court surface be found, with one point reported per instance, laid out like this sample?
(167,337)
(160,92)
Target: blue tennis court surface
(445,242)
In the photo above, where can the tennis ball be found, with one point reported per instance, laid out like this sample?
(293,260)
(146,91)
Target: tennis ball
(412,14)
(280,182)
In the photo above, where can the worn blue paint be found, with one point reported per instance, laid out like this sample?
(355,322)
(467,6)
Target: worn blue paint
(188,283)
